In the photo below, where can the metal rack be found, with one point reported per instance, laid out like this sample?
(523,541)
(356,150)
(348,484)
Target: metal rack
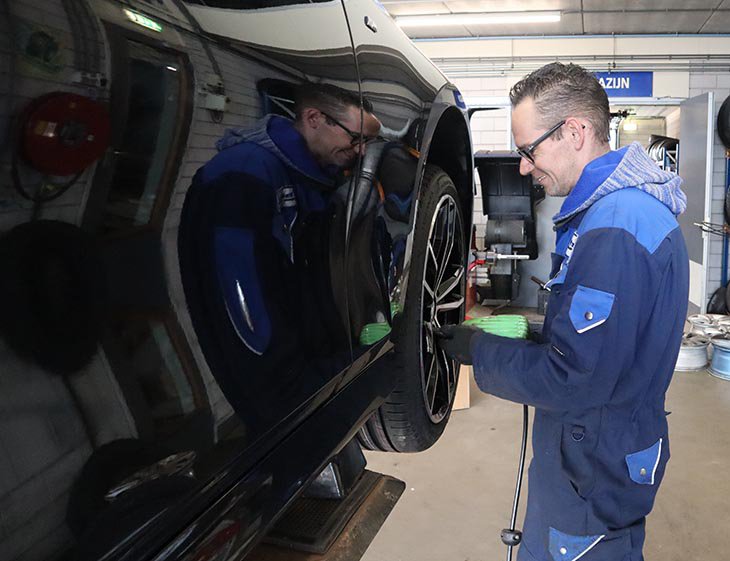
(670,161)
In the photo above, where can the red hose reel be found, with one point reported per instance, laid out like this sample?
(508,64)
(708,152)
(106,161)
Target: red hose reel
(63,133)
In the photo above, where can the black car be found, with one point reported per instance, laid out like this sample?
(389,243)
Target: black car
(118,439)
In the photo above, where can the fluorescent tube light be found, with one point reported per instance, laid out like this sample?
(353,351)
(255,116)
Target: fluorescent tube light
(144,21)
(477,19)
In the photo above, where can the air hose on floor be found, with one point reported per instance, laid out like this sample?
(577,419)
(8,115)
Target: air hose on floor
(516,327)
(510,536)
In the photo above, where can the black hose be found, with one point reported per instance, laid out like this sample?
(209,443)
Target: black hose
(39,197)
(510,536)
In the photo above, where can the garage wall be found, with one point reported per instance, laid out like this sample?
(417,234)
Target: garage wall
(644,129)
(672,123)
(470,65)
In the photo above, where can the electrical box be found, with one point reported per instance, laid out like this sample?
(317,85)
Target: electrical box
(213,101)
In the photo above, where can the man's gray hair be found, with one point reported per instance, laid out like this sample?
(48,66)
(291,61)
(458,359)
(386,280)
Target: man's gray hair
(560,91)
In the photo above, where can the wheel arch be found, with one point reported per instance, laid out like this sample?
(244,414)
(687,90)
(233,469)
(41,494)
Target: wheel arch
(449,147)
(446,143)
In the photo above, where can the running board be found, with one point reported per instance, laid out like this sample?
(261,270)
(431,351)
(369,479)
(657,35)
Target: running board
(332,530)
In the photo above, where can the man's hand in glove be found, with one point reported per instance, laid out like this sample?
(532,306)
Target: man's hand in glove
(455,341)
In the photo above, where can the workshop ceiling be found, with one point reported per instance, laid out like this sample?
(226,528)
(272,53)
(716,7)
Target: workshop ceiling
(578,17)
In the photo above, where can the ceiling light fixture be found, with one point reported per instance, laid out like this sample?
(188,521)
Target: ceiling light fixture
(144,21)
(496,18)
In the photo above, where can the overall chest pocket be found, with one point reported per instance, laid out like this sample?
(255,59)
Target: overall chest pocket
(590,308)
(577,334)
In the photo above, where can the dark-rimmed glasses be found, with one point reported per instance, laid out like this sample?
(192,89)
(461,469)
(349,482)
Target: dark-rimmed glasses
(527,151)
(355,138)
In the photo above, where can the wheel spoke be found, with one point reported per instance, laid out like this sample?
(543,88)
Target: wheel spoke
(449,285)
(442,236)
(451,372)
(429,290)
(430,342)
(449,226)
(445,379)
(447,306)
(433,372)
(432,254)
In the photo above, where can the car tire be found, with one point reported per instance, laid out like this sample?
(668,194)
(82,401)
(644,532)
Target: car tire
(416,412)
(54,294)
(717,303)
(723,122)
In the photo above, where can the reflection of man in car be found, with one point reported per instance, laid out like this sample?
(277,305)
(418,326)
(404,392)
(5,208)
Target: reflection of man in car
(254,248)
(328,120)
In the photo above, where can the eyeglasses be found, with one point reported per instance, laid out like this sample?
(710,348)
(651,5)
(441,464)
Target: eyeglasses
(528,151)
(355,138)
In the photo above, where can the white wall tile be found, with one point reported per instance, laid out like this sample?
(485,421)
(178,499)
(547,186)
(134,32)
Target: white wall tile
(702,80)
(468,85)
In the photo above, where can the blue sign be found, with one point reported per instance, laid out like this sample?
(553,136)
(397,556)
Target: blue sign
(627,84)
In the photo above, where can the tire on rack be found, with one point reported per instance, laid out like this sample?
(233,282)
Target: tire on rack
(54,294)
(416,412)
(723,122)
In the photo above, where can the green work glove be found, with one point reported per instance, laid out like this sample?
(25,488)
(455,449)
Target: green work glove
(455,340)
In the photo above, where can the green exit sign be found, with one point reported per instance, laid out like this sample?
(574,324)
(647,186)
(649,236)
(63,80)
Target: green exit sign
(144,21)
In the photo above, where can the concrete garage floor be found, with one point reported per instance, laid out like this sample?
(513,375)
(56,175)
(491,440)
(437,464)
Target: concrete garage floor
(459,493)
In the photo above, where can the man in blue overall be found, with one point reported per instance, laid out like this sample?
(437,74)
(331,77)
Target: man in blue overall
(618,301)
(254,248)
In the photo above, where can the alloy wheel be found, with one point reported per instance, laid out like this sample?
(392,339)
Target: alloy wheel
(443,301)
